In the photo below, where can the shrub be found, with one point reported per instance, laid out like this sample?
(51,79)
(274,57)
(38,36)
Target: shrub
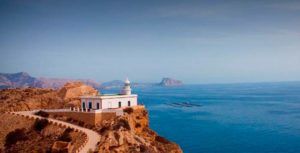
(14,136)
(137,125)
(103,129)
(117,136)
(39,125)
(128,110)
(80,123)
(69,119)
(42,113)
(88,126)
(143,148)
(121,123)
(55,116)
(161,139)
(66,135)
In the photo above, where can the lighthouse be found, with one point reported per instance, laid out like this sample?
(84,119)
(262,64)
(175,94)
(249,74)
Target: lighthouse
(126,89)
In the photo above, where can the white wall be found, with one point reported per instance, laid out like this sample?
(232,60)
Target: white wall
(114,102)
(109,102)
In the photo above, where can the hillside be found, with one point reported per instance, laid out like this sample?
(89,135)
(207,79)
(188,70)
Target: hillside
(34,98)
(18,134)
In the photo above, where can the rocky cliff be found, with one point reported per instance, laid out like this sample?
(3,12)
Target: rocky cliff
(128,133)
(170,82)
(131,133)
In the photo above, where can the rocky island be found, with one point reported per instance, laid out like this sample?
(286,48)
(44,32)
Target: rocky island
(127,133)
(170,82)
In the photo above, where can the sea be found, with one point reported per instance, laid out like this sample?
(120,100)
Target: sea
(226,118)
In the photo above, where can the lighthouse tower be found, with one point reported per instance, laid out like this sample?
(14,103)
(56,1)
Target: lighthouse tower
(126,89)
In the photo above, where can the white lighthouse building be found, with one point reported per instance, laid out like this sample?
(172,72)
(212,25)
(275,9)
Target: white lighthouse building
(110,101)
(126,89)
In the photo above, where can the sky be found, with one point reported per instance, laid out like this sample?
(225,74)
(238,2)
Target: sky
(194,41)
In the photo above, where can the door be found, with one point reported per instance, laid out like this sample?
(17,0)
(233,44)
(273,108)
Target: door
(90,105)
(83,105)
(98,106)
(120,104)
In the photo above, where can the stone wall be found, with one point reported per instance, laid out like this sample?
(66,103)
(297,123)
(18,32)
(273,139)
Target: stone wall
(89,118)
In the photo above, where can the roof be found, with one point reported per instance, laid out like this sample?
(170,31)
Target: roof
(108,96)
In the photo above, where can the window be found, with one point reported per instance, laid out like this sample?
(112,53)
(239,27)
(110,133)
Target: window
(83,105)
(90,105)
(119,104)
(128,103)
(98,106)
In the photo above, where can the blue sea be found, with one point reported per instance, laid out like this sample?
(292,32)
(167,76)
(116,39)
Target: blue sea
(232,118)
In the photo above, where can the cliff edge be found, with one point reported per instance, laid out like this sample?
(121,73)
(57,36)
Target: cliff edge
(131,133)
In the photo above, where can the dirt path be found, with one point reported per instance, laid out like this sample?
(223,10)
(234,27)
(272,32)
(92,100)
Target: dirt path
(92,137)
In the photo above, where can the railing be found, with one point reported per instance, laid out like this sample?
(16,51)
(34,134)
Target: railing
(72,109)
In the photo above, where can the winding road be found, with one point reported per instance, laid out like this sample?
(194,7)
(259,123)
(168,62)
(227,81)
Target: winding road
(92,137)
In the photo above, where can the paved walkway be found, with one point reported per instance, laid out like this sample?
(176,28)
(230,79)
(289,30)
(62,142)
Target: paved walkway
(92,137)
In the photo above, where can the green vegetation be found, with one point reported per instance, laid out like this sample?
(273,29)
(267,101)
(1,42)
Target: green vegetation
(121,123)
(66,135)
(15,136)
(128,110)
(39,125)
(42,113)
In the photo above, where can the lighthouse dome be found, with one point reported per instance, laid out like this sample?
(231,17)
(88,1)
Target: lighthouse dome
(127,81)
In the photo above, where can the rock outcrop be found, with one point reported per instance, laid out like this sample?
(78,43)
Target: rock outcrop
(71,92)
(170,82)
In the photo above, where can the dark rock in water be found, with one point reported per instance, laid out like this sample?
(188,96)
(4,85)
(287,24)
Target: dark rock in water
(183,104)
(170,82)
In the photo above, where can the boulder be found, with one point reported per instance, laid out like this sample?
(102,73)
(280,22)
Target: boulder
(61,147)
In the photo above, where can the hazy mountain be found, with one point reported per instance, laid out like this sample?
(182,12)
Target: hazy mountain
(58,83)
(13,80)
(118,84)
(23,79)
(112,84)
